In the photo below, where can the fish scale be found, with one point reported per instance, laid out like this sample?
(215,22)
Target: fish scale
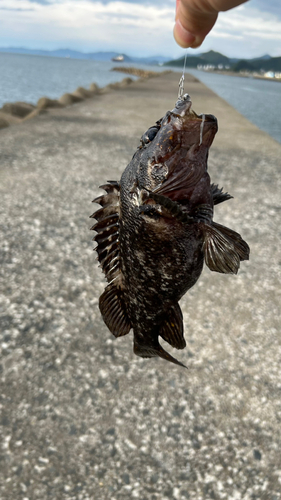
(155,230)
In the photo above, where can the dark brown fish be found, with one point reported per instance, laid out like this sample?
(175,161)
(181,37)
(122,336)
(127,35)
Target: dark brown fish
(155,229)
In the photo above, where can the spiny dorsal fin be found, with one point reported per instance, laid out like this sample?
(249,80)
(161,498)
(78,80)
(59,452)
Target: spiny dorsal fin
(218,195)
(172,328)
(107,228)
(224,249)
(113,310)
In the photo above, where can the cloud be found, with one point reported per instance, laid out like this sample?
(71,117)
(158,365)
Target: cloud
(133,27)
(73,13)
(249,22)
(270,6)
(114,24)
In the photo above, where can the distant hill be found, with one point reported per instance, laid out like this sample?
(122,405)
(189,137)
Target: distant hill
(74,54)
(243,65)
(264,63)
(265,57)
(191,62)
(272,64)
(211,57)
(260,64)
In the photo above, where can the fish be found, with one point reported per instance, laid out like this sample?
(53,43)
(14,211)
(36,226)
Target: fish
(155,230)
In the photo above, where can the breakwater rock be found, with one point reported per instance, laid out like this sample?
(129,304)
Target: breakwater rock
(141,73)
(19,112)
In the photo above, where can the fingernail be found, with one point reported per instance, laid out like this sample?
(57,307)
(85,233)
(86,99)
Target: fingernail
(183,37)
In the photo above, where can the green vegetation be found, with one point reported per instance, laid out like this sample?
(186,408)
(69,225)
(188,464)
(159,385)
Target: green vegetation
(215,60)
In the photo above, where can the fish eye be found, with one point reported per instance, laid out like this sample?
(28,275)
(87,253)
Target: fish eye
(149,135)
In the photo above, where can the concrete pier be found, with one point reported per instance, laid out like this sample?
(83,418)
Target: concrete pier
(81,417)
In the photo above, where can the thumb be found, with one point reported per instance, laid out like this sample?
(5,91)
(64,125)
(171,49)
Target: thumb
(195,18)
(192,24)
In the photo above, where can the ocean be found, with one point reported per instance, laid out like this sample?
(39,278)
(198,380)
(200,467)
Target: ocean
(27,78)
(258,100)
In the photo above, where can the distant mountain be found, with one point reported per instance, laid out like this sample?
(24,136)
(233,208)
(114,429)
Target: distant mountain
(151,60)
(211,57)
(264,63)
(272,64)
(74,54)
(242,65)
(259,64)
(265,57)
(191,62)
(53,53)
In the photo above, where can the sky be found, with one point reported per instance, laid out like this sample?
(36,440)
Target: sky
(135,27)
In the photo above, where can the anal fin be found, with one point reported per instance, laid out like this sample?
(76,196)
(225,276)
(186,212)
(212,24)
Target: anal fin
(113,310)
(172,328)
(224,249)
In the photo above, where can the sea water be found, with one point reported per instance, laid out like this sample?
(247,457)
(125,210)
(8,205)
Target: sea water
(256,99)
(27,78)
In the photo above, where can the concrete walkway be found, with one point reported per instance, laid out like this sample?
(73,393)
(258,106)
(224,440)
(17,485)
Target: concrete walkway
(81,417)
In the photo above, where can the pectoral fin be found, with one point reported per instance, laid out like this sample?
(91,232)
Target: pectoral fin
(113,310)
(172,328)
(224,249)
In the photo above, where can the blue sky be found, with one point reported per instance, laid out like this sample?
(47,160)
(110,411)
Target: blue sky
(140,28)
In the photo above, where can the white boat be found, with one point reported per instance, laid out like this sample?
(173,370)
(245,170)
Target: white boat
(119,58)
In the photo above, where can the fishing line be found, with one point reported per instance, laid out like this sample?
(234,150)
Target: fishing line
(181,82)
(201,129)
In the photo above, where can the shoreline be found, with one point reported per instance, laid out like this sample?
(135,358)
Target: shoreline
(15,113)
(232,73)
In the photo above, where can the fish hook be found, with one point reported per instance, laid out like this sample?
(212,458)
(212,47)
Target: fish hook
(181,82)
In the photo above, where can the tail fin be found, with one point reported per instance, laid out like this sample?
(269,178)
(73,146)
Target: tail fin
(152,350)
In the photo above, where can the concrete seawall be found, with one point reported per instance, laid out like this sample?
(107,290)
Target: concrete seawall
(81,417)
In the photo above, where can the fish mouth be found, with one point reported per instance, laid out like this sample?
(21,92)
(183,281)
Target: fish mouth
(199,129)
(186,138)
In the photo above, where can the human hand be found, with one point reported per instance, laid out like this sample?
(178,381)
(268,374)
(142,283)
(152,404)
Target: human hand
(195,18)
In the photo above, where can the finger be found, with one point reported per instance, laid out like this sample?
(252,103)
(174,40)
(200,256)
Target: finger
(195,18)
(191,26)
(177,5)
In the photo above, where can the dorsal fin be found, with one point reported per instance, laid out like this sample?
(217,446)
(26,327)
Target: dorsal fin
(218,195)
(113,310)
(172,328)
(107,228)
(223,249)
